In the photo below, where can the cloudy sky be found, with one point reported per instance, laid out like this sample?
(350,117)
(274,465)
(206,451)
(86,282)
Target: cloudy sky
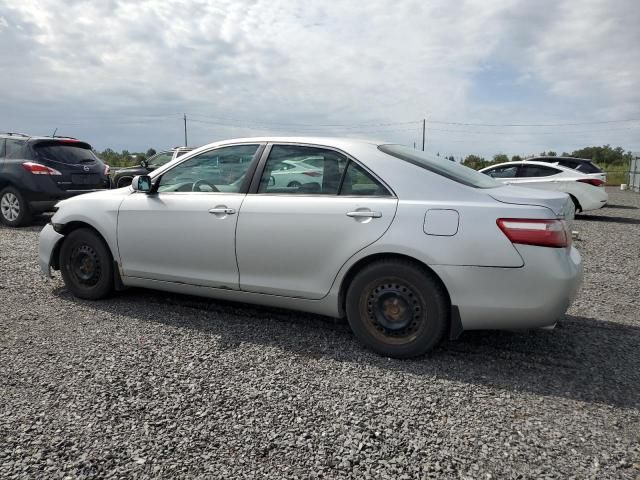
(121,73)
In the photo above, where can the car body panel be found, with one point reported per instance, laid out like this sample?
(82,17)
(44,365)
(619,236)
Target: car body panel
(173,237)
(294,245)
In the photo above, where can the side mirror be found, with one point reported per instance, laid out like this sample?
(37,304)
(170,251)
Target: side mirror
(144,163)
(141,183)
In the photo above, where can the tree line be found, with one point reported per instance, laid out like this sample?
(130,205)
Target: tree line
(605,156)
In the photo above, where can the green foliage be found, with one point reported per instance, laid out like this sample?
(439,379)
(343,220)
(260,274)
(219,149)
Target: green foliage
(123,159)
(604,155)
(151,152)
(516,158)
(500,158)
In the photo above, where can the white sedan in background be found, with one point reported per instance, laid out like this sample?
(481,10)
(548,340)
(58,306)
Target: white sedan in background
(586,191)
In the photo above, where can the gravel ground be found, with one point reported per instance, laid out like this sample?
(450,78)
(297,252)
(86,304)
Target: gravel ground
(150,384)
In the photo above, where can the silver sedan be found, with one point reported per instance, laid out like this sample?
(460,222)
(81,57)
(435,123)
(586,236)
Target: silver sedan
(409,248)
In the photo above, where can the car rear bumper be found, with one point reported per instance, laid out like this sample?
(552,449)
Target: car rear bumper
(48,240)
(532,296)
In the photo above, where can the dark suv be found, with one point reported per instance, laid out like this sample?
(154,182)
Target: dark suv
(37,172)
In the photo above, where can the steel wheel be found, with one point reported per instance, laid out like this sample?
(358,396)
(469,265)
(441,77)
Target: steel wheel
(10,206)
(394,312)
(397,308)
(86,264)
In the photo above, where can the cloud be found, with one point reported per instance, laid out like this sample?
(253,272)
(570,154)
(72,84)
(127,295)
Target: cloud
(120,73)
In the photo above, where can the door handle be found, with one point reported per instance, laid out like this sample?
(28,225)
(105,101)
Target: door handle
(364,214)
(225,210)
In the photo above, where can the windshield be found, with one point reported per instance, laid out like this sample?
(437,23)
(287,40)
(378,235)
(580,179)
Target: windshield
(69,153)
(446,168)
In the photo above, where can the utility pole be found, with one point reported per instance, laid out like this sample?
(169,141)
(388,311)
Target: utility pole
(424,132)
(185,129)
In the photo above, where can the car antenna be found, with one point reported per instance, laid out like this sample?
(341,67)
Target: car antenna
(54,132)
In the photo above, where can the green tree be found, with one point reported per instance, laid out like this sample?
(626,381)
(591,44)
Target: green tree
(475,162)
(604,155)
(500,158)
(151,152)
(516,158)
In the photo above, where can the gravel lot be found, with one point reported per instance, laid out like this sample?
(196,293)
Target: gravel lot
(150,384)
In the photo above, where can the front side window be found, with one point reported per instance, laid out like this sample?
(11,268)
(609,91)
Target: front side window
(219,170)
(301,170)
(536,171)
(508,171)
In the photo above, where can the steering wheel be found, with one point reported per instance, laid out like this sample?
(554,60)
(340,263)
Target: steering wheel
(196,186)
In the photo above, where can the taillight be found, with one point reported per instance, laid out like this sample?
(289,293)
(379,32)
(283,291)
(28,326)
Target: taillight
(596,182)
(543,233)
(312,174)
(107,170)
(37,169)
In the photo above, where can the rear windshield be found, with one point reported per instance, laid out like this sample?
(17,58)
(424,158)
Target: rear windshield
(588,167)
(446,168)
(69,153)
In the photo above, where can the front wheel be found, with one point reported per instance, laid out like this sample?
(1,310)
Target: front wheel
(396,309)
(86,265)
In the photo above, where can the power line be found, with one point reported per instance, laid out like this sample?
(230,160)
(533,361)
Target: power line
(532,124)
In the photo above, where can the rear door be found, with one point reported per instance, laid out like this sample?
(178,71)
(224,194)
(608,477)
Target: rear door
(292,240)
(80,169)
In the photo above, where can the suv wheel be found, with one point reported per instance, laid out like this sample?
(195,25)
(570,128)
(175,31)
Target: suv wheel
(14,210)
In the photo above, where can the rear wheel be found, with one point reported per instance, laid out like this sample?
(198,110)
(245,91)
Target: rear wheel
(14,209)
(86,265)
(576,204)
(396,309)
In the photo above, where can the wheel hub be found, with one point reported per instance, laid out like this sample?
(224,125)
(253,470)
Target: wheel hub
(10,206)
(85,265)
(394,310)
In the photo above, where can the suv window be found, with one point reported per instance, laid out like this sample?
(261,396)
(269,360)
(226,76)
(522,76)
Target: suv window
(536,171)
(321,178)
(14,148)
(357,181)
(451,170)
(70,153)
(506,171)
(588,167)
(219,170)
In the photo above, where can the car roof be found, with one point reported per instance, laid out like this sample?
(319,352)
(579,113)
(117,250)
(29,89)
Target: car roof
(555,159)
(24,136)
(336,142)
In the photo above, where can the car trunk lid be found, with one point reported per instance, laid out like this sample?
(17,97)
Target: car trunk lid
(558,202)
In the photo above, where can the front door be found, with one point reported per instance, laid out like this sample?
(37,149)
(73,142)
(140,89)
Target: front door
(186,231)
(294,235)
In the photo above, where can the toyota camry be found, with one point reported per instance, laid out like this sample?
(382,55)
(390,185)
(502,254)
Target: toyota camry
(410,249)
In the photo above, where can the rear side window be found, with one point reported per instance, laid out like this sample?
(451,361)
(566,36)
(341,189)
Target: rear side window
(506,171)
(1,147)
(14,148)
(536,171)
(445,168)
(69,153)
(359,182)
(588,167)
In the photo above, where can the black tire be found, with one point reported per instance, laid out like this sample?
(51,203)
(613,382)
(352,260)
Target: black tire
(14,209)
(124,182)
(397,309)
(576,204)
(86,265)
(294,184)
